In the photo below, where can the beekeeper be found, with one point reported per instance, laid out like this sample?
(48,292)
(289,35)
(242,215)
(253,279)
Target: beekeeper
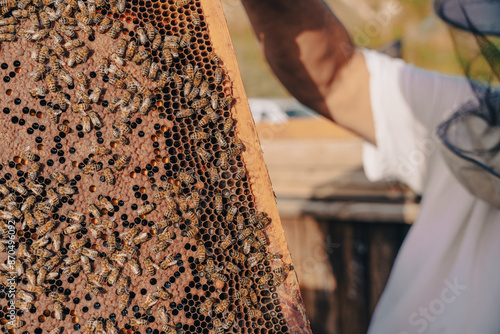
(437,133)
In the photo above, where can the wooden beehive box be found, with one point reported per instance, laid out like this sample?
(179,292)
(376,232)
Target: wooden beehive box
(130,204)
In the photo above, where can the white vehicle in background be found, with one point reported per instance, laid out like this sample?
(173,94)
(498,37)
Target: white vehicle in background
(278,110)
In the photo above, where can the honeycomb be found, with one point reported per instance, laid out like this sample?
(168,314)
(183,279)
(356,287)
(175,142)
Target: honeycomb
(125,203)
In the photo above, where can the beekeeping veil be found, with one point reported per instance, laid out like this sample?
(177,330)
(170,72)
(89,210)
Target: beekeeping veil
(471,136)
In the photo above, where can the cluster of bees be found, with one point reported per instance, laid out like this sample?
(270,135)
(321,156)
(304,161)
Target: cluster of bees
(56,29)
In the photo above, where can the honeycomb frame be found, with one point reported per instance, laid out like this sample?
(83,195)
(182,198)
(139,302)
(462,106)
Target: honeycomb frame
(281,309)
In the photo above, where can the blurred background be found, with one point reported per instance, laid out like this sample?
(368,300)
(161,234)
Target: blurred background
(343,231)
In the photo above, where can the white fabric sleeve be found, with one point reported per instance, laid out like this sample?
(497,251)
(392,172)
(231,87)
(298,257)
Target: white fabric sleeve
(408,104)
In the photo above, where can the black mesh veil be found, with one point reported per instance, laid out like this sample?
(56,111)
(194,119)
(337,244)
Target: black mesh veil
(471,136)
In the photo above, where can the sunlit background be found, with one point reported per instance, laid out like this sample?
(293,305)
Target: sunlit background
(343,231)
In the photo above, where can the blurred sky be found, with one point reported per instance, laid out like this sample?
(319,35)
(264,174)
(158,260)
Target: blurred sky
(372,24)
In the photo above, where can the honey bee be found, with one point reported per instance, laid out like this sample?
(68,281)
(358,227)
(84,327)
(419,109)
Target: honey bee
(194,199)
(111,327)
(199,104)
(140,56)
(240,222)
(134,266)
(254,259)
(205,307)
(26,296)
(67,21)
(138,322)
(118,72)
(123,301)
(105,24)
(145,105)
(78,244)
(237,256)
(182,3)
(159,247)
(86,28)
(191,232)
(96,94)
(35,288)
(39,92)
(96,121)
(41,242)
(122,287)
(195,19)
(105,203)
(86,124)
(245,281)
(203,154)
(121,5)
(116,28)
(146,209)
(214,58)
(38,73)
(117,59)
(119,258)
(204,88)
(198,76)
(153,71)
(117,83)
(184,113)
(213,175)
(56,242)
(72,229)
(168,261)
(99,327)
(109,177)
(156,42)
(10,29)
(113,104)
(66,77)
(122,47)
(163,315)
(40,35)
(131,49)
(70,270)
(218,75)
(150,301)
(34,170)
(72,58)
(81,55)
(141,238)
(113,276)
(46,228)
(141,34)
(20,13)
(94,210)
(22,305)
(192,93)
(58,297)
(10,20)
(82,79)
(13,324)
(163,79)
(63,128)
(103,66)
(178,81)
(121,161)
(186,40)
(110,224)
(73,44)
(90,253)
(100,150)
(90,325)
(51,82)
(69,31)
(221,307)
